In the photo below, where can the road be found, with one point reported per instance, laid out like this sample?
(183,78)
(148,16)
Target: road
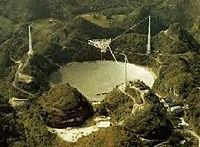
(135,105)
(20,67)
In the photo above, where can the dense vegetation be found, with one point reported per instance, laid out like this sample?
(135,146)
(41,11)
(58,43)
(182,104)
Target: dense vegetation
(61,29)
(173,81)
(114,136)
(9,128)
(117,105)
(62,104)
(193,113)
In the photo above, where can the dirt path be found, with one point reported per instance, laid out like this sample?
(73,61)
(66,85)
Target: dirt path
(135,105)
(20,67)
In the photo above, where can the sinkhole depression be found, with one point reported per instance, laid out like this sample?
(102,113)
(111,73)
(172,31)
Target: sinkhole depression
(94,79)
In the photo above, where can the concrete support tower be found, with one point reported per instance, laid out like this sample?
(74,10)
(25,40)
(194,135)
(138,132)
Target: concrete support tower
(149,37)
(30,51)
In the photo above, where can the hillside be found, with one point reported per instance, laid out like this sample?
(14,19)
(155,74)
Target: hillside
(60,32)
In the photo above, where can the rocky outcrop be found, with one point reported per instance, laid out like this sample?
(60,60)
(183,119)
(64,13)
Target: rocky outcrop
(63,106)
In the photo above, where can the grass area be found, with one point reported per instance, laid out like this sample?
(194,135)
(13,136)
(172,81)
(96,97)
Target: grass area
(100,20)
(6,28)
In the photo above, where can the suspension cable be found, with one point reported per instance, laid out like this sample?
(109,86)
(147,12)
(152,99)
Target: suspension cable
(134,26)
